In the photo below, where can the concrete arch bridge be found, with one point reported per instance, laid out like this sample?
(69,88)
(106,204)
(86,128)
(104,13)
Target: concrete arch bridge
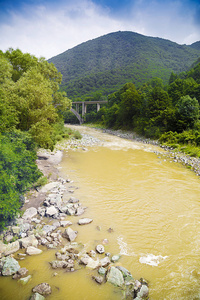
(83,105)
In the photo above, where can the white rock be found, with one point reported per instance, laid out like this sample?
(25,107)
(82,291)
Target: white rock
(28,241)
(84,221)
(70,234)
(100,249)
(33,251)
(51,210)
(73,200)
(50,186)
(65,223)
(30,213)
(9,249)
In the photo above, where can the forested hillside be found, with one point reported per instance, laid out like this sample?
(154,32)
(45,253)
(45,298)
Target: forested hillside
(105,64)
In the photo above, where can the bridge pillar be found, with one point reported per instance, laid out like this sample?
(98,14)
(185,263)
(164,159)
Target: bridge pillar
(84,108)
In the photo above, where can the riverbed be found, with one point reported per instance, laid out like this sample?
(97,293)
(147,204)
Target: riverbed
(146,206)
(153,205)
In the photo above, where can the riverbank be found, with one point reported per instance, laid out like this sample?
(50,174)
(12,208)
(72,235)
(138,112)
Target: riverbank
(169,153)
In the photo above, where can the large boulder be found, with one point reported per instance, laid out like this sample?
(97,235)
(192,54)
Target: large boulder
(30,213)
(73,200)
(9,266)
(65,223)
(28,241)
(48,229)
(126,274)
(8,249)
(100,249)
(115,276)
(51,211)
(70,234)
(104,262)
(37,296)
(54,199)
(143,293)
(84,221)
(33,251)
(79,211)
(62,264)
(89,262)
(50,186)
(20,273)
(42,288)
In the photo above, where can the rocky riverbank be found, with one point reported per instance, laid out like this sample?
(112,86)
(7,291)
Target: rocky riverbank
(46,222)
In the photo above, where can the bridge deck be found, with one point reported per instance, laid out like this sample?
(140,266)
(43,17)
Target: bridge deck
(90,102)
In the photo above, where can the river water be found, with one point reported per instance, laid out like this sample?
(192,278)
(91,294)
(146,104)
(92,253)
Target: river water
(153,207)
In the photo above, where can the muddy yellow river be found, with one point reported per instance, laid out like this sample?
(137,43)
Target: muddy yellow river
(153,207)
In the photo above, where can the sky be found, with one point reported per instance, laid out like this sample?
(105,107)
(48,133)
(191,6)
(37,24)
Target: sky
(46,28)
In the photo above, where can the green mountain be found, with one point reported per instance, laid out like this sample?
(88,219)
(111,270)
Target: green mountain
(196,45)
(106,63)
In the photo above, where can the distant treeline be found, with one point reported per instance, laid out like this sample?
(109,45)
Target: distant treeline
(166,112)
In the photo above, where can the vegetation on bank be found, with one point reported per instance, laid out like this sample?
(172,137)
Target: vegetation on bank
(30,117)
(169,113)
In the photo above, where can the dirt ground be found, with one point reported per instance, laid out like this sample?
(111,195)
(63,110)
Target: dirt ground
(47,162)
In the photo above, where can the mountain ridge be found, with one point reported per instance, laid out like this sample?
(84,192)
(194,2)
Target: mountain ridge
(107,62)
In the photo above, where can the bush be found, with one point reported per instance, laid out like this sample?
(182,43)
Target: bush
(77,135)
(41,181)
(18,172)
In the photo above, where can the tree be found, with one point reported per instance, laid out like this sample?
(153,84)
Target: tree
(129,106)
(30,93)
(187,113)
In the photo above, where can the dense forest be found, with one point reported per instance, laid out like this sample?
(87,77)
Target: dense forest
(106,63)
(30,117)
(154,110)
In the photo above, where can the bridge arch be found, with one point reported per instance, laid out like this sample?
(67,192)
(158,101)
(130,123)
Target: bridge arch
(77,115)
(84,108)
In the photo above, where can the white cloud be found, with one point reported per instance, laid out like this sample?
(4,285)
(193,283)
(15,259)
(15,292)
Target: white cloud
(173,20)
(47,30)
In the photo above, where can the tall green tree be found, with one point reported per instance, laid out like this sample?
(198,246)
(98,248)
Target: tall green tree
(187,113)
(30,93)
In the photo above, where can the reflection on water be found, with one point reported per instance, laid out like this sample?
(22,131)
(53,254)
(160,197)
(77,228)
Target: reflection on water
(154,209)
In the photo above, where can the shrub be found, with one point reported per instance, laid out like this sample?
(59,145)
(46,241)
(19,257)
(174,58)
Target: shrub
(18,172)
(77,135)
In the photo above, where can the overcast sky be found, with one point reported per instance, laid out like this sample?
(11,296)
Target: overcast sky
(49,27)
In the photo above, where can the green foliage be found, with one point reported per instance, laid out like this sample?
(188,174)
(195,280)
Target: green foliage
(154,109)
(41,181)
(105,64)
(77,135)
(31,106)
(69,117)
(30,99)
(187,112)
(18,171)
